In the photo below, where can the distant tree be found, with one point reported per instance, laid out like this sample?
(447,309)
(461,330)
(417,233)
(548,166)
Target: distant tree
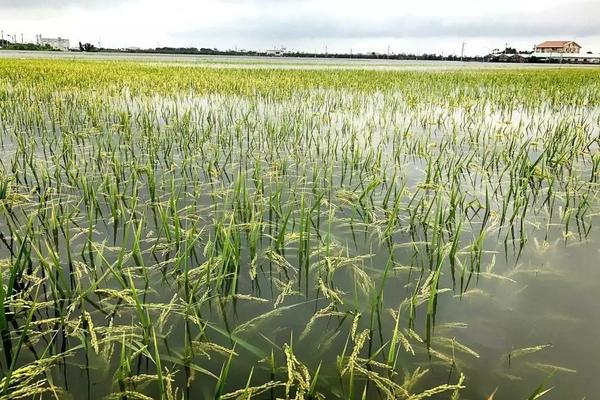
(6,45)
(87,47)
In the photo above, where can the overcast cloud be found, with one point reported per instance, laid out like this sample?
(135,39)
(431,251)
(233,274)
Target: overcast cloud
(340,25)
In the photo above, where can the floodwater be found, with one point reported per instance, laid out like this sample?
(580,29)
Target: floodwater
(280,62)
(535,288)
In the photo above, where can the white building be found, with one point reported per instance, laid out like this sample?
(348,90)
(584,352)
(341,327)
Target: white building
(56,43)
(276,52)
(589,58)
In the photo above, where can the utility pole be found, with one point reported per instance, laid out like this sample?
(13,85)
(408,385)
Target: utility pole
(462,51)
(388,53)
(22,39)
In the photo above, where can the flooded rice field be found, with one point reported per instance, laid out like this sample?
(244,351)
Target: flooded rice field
(172,232)
(264,62)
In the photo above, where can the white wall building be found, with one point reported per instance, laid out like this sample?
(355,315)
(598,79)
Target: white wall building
(56,43)
(567,57)
(276,52)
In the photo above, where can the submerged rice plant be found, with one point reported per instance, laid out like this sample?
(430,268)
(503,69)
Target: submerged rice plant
(182,232)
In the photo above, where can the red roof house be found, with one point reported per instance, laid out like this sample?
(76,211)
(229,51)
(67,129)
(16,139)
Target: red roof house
(558,46)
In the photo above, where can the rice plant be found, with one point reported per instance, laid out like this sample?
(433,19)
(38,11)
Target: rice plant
(181,232)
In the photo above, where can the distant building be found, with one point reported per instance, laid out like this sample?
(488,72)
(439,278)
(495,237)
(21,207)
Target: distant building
(56,43)
(558,46)
(504,57)
(565,58)
(276,52)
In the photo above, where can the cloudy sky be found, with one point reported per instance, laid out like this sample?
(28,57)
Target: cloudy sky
(416,26)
